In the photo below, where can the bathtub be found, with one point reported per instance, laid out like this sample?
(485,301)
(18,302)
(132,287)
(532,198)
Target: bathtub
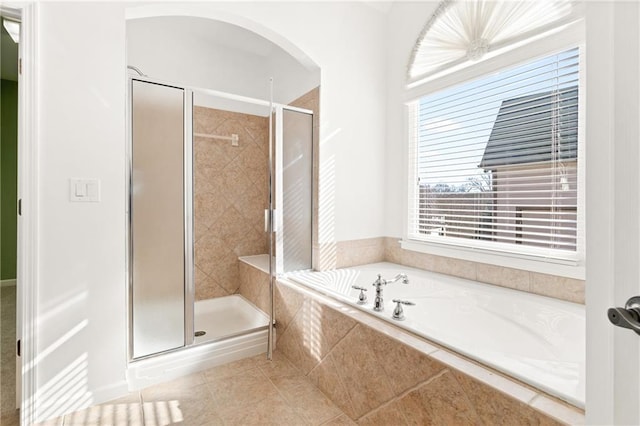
(536,339)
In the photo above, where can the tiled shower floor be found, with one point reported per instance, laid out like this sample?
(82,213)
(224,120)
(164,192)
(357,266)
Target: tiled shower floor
(252,391)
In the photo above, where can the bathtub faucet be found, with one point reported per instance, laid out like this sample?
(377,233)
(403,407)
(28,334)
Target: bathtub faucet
(378,302)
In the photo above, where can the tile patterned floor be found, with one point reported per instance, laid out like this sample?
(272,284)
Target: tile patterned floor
(252,391)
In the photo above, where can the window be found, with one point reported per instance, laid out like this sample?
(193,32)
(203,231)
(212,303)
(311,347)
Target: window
(494,162)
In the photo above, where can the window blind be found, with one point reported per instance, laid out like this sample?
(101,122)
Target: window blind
(494,162)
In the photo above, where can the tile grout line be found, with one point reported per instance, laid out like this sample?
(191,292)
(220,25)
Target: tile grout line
(466,395)
(404,393)
(306,378)
(281,394)
(340,379)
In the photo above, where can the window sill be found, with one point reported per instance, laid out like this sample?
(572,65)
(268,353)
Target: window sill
(562,268)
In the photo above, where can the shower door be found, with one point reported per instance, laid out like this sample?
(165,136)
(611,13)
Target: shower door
(158,255)
(293,189)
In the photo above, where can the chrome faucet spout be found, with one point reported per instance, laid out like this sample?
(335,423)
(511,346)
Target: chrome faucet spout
(403,277)
(378,302)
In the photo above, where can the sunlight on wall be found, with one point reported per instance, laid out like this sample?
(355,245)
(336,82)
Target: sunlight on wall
(326,213)
(312,328)
(66,390)
(69,388)
(61,341)
(59,305)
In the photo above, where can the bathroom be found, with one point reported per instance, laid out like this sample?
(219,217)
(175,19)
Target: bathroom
(77,292)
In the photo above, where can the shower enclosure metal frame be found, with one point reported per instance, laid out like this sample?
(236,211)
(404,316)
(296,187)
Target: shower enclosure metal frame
(189,296)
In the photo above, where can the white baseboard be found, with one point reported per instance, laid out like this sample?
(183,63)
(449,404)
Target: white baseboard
(8,283)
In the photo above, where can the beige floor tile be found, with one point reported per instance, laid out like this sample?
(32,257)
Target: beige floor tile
(233,368)
(306,399)
(173,389)
(181,411)
(273,410)
(388,415)
(279,366)
(342,420)
(109,414)
(241,391)
(190,404)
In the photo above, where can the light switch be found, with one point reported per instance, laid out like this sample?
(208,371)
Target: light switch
(84,190)
(80,189)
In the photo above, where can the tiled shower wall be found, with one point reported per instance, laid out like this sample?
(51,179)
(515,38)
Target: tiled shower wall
(230,195)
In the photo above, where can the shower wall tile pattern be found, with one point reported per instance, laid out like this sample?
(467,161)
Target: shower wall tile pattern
(254,285)
(377,375)
(230,195)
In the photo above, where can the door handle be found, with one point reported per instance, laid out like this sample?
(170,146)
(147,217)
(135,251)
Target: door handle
(627,317)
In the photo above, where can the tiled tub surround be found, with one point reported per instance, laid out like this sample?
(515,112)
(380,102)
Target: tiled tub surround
(538,340)
(379,374)
(230,195)
(387,249)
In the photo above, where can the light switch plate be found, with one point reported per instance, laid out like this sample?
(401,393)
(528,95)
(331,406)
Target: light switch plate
(84,190)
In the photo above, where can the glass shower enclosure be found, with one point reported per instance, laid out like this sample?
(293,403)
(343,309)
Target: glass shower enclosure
(201,174)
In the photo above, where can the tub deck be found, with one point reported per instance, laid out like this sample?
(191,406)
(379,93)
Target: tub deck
(536,339)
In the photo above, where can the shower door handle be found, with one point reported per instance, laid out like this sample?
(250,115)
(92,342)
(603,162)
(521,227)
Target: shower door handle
(270,217)
(627,317)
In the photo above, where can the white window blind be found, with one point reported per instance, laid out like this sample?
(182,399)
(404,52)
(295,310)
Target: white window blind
(494,162)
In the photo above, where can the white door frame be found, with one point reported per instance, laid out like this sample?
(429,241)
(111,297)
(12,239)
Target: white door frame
(27,250)
(14,14)
(613,205)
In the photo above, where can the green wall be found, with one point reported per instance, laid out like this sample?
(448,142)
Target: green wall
(8,177)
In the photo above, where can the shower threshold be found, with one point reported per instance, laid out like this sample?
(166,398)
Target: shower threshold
(235,329)
(225,317)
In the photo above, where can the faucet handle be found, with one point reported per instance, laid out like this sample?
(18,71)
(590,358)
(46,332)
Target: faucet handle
(362,298)
(398,312)
(379,282)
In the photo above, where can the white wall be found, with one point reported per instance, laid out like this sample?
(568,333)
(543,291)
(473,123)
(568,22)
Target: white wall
(81,287)
(81,97)
(406,20)
(210,54)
